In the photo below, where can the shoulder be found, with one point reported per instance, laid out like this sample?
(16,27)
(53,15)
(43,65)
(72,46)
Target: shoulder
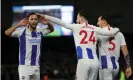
(75,26)
(119,34)
(21,29)
(93,27)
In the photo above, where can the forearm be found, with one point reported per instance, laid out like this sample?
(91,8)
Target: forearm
(127,59)
(9,31)
(55,20)
(50,27)
(109,33)
(48,23)
(126,55)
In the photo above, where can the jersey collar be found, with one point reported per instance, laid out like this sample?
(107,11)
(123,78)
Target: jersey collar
(85,24)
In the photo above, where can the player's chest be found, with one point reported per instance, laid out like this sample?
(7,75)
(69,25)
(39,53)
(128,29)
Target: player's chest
(33,38)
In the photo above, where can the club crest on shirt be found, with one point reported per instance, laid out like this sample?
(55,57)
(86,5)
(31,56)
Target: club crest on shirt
(38,34)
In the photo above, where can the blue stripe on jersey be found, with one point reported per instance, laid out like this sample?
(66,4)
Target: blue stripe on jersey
(33,55)
(41,34)
(34,50)
(113,63)
(40,47)
(22,48)
(89,52)
(79,52)
(104,62)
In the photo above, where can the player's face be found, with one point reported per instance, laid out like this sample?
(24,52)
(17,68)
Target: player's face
(100,22)
(33,21)
(79,18)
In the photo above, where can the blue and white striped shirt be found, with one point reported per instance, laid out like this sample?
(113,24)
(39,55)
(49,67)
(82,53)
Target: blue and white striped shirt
(29,45)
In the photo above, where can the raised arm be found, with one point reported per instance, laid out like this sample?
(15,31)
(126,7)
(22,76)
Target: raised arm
(11,30)
(57,21)
(111,32)
(46,22)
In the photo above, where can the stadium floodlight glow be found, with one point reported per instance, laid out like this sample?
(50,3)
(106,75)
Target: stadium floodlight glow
(67,8)
(41,7)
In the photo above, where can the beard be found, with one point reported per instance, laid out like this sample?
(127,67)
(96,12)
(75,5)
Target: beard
(33,25)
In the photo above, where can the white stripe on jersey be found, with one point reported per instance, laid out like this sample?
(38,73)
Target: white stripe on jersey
(38,56)
(31,55)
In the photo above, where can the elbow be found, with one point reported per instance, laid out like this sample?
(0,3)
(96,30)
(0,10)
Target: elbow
(7,33)
(50,27)
(52,30)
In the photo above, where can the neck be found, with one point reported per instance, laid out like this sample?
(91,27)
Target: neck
(32,29)
(106,25)
(84,21)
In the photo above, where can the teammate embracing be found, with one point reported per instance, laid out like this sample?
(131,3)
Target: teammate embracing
(85,36)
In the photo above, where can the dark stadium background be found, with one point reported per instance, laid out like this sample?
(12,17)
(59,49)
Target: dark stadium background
(58,59)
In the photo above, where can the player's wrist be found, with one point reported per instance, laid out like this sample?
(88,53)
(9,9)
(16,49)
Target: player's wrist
(18,25)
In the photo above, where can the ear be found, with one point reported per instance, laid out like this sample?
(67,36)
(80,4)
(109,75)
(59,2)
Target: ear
(104,22)
(82,19)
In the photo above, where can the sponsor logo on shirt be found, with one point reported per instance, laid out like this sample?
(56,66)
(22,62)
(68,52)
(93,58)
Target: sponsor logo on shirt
(34,40)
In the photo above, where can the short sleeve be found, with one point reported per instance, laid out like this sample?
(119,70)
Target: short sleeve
(123,42)
(18,32)
(44,31)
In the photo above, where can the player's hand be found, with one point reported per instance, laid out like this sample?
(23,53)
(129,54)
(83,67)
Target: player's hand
(23,22)
(40,15)
(42,18)
(128,72)
(44,21)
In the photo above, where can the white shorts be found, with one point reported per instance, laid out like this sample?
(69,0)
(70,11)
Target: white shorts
(87,69)
(29,72)
(108,74)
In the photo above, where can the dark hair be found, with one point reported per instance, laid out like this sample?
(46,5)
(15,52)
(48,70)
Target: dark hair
(106,18)
(84,14)
(32,13)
